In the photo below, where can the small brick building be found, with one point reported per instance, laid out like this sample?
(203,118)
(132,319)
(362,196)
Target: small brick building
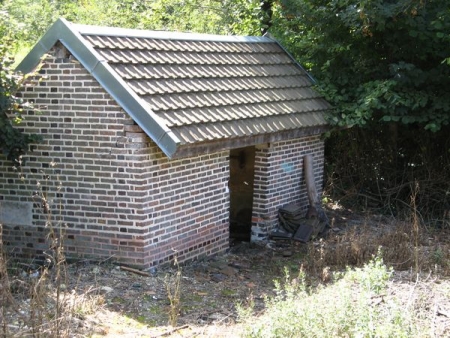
(162,143)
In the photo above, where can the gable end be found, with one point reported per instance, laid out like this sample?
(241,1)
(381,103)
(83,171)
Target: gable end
(102,72)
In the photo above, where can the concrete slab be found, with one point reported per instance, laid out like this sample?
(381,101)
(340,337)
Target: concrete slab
(16,213)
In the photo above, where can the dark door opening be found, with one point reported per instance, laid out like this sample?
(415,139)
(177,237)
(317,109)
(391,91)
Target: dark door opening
(242,174)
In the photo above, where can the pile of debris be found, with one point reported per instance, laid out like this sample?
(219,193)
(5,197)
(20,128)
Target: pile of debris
(297,226)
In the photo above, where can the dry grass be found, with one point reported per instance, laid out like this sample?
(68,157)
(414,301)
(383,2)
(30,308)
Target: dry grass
(33,301)
(360,302)
(173,287)
(37,303)
(378,276)
(35,298)
(406,245)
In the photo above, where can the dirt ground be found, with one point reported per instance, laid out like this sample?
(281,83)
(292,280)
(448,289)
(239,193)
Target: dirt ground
(138,306)
(119,303)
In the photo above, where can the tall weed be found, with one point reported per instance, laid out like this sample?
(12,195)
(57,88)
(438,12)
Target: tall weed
(35,298)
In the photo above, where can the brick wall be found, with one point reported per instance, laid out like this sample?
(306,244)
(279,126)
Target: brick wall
(109,186)
(279,179)
(189,206)
(116,194)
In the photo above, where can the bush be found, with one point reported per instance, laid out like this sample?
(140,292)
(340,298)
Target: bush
(354,306)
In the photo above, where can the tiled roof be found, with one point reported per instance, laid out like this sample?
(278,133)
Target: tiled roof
(206,88)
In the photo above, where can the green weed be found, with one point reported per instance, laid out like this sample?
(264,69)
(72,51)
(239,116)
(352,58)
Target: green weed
(353,306)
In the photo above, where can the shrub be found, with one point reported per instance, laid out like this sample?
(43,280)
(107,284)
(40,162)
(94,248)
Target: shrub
(354,306)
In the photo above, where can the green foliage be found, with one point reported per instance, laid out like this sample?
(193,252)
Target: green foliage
(13,142)
(31,19)
(373,277)
(384,66)
(28,20)
(376,61)
(207,16)
(352,307)
(202,16)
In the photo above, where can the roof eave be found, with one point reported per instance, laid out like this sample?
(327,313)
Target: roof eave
(63,31)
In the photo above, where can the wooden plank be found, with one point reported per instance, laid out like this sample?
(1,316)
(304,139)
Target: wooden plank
(308,166)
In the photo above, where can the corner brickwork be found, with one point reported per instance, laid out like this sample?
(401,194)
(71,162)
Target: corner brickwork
(189,207)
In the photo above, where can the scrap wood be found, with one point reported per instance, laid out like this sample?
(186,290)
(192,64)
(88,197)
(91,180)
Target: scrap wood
(138,272)
(175,329)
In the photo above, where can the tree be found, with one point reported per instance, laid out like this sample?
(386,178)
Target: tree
(376,60)
(13,142)
(242,17)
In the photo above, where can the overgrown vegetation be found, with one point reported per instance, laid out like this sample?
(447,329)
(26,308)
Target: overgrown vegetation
(376,169)
(384,66)
(344,285)
(376,61)
(347,284)
(407,245)
(354,306)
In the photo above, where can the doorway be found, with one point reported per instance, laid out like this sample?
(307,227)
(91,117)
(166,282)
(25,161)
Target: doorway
(242,175)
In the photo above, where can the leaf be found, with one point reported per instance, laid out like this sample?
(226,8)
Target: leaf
(432,127)
(437,24)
